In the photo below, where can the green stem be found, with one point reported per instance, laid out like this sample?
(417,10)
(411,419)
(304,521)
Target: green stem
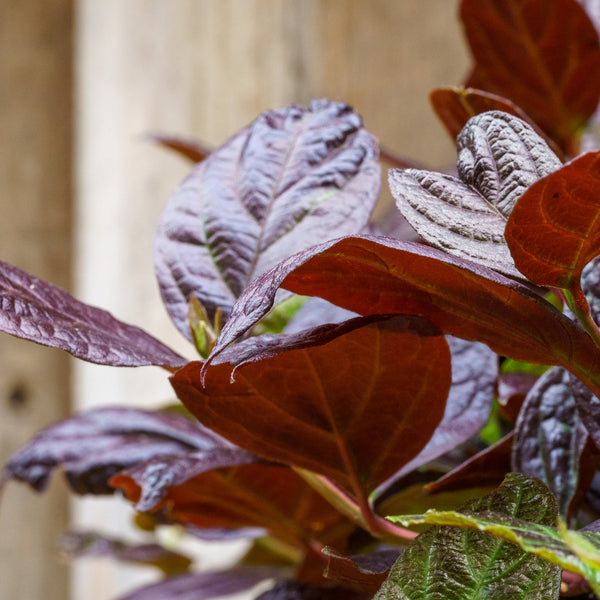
(581,309)
(361,514)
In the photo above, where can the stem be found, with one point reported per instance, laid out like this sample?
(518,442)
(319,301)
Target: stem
(581,309)
(360,513)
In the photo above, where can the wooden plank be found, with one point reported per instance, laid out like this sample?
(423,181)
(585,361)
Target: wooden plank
(205,68)
(35,233)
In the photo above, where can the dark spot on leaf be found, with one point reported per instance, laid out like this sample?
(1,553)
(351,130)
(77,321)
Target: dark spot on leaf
(555,195)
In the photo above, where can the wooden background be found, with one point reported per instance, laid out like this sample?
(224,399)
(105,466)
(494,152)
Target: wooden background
(81,82)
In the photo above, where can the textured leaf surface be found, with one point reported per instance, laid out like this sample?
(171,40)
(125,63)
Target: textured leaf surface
(550,437)
(460,564)
(499,157)
(365,572)
(554,230)
(253,495)
(455,106)
(344,401)
(93,446)
(384,276)
(83,544)
(474,372)
(203,586)
(542,54)
(38,311)
(531,535)
(291,179)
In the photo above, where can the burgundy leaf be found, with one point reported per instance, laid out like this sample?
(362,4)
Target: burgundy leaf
(344,401)
(36,310)
(204,586)
(292,590)
(81,544)
(554,229)
(253,495)
(455,106)
(488,467)
(384,276)
(499,157)
(542,54)
(93,446)
(191,149)
(512,389)
(550,437)
(291,179)
(158,475)
(474,372)
(363,572)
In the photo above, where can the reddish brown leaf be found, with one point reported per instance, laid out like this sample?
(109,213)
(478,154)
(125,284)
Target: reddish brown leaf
(455,106)
(488,467)
(347,404)
(191,149)
(542,54)
(554,229)
(384,276)
(363,572)
(254,495)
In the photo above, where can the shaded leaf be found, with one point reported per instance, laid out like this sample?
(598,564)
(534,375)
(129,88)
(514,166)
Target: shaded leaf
(204,586)
(542,54)
(461,564)
(291,179)
(499,157)
(315,312)
(82,544)
(38,311)
(588,407)
(292,590)
(563,207)
(513,387)
(455,106)
(158,475)
(384,276)
(474,372)
(363,572)
(193,150)
(95,445)
(550,437)
(590,286)
(315,400)
(487,467)
(252,495)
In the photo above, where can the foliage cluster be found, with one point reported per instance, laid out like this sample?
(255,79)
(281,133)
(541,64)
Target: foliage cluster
(353,387)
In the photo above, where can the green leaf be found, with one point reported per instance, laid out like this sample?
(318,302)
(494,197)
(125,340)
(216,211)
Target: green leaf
(454,563)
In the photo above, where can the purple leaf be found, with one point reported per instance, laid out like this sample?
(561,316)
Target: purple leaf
(550,437)
(315,312)
(293,590)
(158,475)
(93,446)
(291,179)
(35,310)
(365,572)
(499,157)
(81,544)
(204,586)
(474,373)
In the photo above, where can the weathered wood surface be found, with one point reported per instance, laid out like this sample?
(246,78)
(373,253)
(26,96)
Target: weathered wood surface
(203,68)
(35,234)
